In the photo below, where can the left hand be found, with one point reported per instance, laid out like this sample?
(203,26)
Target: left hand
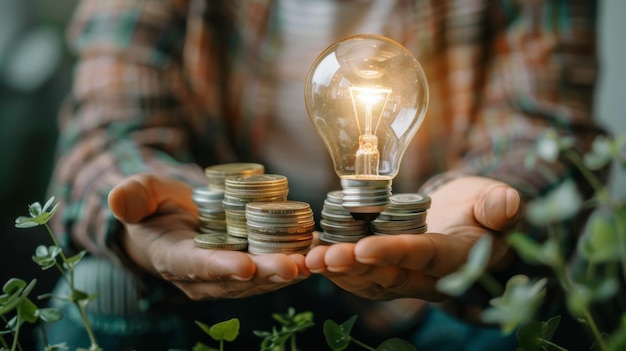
(387,267)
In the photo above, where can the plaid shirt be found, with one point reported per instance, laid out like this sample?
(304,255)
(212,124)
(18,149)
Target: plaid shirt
(169,87)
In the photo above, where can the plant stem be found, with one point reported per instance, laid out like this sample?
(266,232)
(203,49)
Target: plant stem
(556,346)
(54,240)
(367,347)
(558,267)
(16,336)
(85,319)
(595,183)
(70,281)
(566,285)
(594,328)
(43,335)
(292,343)
(56,264)
(3,342)
(493,287)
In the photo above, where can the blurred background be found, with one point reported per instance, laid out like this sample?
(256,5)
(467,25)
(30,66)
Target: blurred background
(35,74)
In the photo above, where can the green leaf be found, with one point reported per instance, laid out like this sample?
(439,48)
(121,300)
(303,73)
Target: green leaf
(597,243)
(25,222)
(526,248)
(78,295)
(27,311)
(38,215)
(560,204)
(534,335)
(205,328)
(49,314)
(76,258)
(549,327)
(226,330)
(479,255)
(71,262)
(457,283)
(285,318)
(602,150)
(202,347)
(518,304)
(395,344)
(46,256)
(338,336)
(48,203)
(14,292)
(34,209)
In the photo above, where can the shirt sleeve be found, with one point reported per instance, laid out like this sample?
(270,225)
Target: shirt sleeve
(124,114)
(529,67)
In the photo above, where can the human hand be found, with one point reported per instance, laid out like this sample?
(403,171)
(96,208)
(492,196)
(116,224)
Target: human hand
(387,267)
(160,222)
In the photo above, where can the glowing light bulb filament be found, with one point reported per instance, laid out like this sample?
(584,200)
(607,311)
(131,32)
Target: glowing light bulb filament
(368,103)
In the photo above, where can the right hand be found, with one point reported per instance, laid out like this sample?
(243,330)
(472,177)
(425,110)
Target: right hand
(160,222)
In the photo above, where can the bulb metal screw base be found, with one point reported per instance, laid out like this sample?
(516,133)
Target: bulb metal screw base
(365,198)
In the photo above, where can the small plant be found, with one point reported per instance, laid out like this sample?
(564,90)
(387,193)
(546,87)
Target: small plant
(291,323)
(602,249)
(220,332)
(15,291)
(338,338)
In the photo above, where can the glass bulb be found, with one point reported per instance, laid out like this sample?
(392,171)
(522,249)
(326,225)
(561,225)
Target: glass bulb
(367,96)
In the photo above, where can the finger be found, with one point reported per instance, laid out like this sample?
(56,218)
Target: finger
(184,262)
(314,259)
(299,260)
(140,196)
(275,268)
(430,253)
(498,208)
(340,258)
(336,258)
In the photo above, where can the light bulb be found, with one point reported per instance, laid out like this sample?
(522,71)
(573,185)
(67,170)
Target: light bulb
(367,96)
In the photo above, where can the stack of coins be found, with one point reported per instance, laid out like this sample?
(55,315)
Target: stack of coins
(405,214)
(217,174)
(211,213)
(240,190)
(338,224)
(209,200)
(279,227)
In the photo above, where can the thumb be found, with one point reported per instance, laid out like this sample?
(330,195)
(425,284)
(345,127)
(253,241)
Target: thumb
(140,196)
(499,207)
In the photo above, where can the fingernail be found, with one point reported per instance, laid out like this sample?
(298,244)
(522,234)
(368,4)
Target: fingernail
(512,203)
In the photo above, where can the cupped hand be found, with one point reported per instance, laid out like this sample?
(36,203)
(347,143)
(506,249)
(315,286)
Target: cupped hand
(387,267)
(160,222)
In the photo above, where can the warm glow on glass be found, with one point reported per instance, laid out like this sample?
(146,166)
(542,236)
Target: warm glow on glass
(367,96)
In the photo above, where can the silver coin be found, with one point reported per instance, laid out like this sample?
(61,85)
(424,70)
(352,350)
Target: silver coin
(219,242)
(410,200)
